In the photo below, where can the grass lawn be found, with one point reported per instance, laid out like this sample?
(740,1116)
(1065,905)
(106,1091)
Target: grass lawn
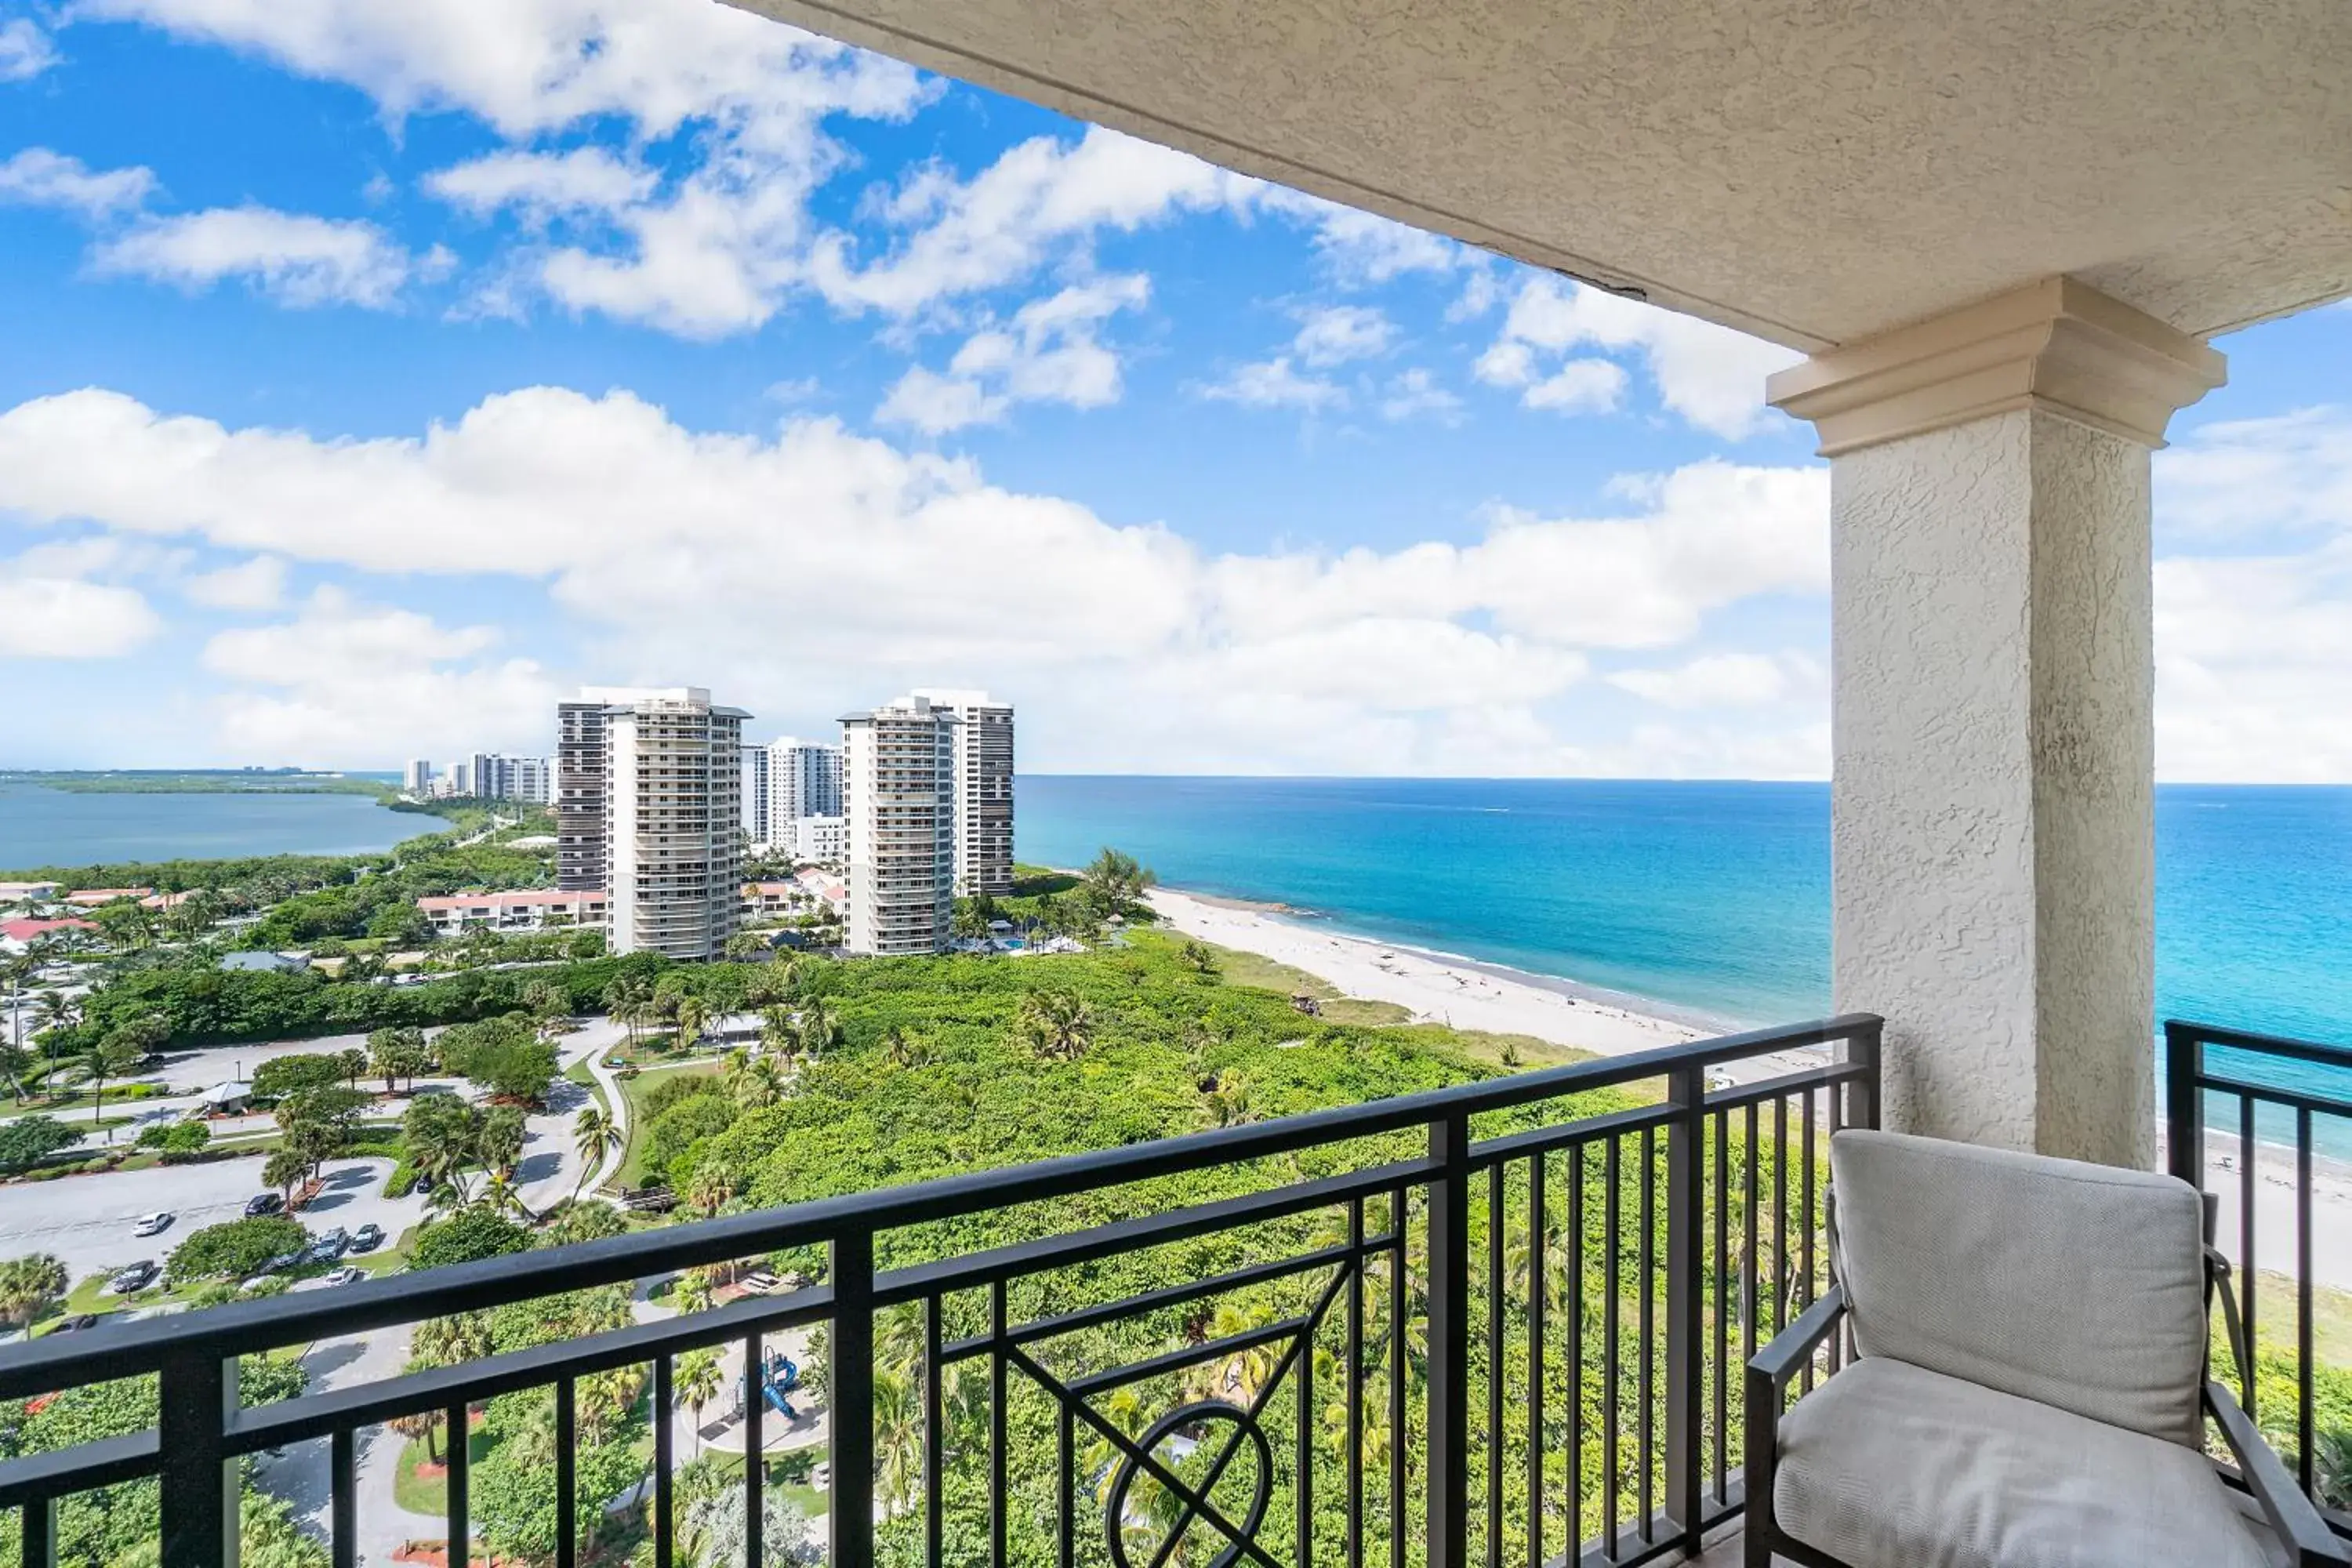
(634,1089)
(1241,968)
(429,1494)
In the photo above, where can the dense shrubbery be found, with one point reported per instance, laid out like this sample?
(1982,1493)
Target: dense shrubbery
(465,1235)
(119,1526)
(27,1140)
(503,1055)
(235,1249)
(291,1074)
(208,1006)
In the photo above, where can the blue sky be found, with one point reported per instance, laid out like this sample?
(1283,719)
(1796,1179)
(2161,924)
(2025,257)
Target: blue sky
(369,374)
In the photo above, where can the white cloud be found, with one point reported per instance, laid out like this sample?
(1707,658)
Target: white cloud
(1276,384)
(1048,353)
(1728,680)
(255,584)
(25,50)
(2288,476)
(526,67)
(1412,393)
(44,615)
(1360,249)
(1579,386)
(348,683)
(1334,334)
(666,547)
(1034,202)
(297,260)
(40,177)
(542,184)
(1711,376)
(2254,633)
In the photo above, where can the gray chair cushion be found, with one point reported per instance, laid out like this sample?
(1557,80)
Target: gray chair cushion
(1890,1466)
(2077,1286)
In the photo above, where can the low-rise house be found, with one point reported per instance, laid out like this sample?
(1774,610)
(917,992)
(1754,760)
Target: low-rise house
(28,892)
(528,909)
(827,888)
(768,900)
(16,936)
(92,898)
(234,1097)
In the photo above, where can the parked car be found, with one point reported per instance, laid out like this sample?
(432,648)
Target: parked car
(367,1238)
(135,1278)
(326,1249)
(284,1260)
(81,1324)
(263,1202)
(347,1275)
(150,1224)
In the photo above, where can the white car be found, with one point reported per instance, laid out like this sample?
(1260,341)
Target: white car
(150,1224)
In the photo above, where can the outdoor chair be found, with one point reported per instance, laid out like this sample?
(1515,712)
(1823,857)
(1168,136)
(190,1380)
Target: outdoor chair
(2028,1386)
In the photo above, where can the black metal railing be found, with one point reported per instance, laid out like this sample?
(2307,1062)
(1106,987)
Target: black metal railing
(1436,1330)
(2266,1092)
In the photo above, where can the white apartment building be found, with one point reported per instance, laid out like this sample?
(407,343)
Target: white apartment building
(983,791)
(650,795)
(821,840)
(416,777)
(756,821)
(497,777)
(528,909)
(898,794)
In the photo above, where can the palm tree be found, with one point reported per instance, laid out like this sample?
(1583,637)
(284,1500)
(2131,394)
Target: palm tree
(776,1030)
(692,1292)
(712,1186)
(110,1058)
(760,1084)
(29,1285)
(897,1049)
(697,1383)
(284,1171)
(16,1061)
(1055,1025)
(499,1191)
(819,1030)
(692,1016)
(57,1009)
(1115,881)
(897,1437)
(594,1137)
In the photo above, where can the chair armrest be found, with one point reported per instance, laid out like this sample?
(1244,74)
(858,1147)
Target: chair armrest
(2295,1519)
(2217,1283)
(1793,1346)
(1767,1375)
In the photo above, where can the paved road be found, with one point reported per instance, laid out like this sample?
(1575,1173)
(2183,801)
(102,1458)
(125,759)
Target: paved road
(85,1221)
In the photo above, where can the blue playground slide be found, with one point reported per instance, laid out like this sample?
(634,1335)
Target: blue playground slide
(778,1377)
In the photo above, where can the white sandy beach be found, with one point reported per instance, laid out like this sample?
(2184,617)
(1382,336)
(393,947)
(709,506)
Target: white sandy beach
(1461,994)
(1469,995)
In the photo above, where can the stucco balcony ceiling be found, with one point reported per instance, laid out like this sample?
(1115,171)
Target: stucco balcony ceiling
(1816,173)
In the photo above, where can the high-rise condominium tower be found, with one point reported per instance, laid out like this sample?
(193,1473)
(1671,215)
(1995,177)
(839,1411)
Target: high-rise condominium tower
(417,776)
(803,780)
(755,796)
(662,769)
(984,805)
(898,788)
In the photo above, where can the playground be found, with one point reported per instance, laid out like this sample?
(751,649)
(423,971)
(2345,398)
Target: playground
(790,1415)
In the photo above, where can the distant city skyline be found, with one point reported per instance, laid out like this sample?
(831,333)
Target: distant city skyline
(486,352)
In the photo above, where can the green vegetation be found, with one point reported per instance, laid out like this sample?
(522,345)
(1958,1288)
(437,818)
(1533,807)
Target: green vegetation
(504,1054)
(233,1250)
(26,1141)
(197,781)
(470,1234)
(119,1526)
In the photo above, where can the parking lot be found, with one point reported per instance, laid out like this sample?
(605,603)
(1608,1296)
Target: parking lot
(85,1221)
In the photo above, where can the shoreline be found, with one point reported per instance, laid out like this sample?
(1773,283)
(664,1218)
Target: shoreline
(1434,987)
(1465,993)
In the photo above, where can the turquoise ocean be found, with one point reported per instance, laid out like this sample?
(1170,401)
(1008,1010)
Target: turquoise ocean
(1711,898)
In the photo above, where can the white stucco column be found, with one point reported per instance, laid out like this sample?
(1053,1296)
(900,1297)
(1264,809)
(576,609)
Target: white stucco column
(1992,846)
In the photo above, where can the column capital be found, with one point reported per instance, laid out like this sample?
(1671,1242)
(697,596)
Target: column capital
(2058,345)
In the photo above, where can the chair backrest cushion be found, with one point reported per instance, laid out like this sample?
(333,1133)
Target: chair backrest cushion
(2075,1284)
